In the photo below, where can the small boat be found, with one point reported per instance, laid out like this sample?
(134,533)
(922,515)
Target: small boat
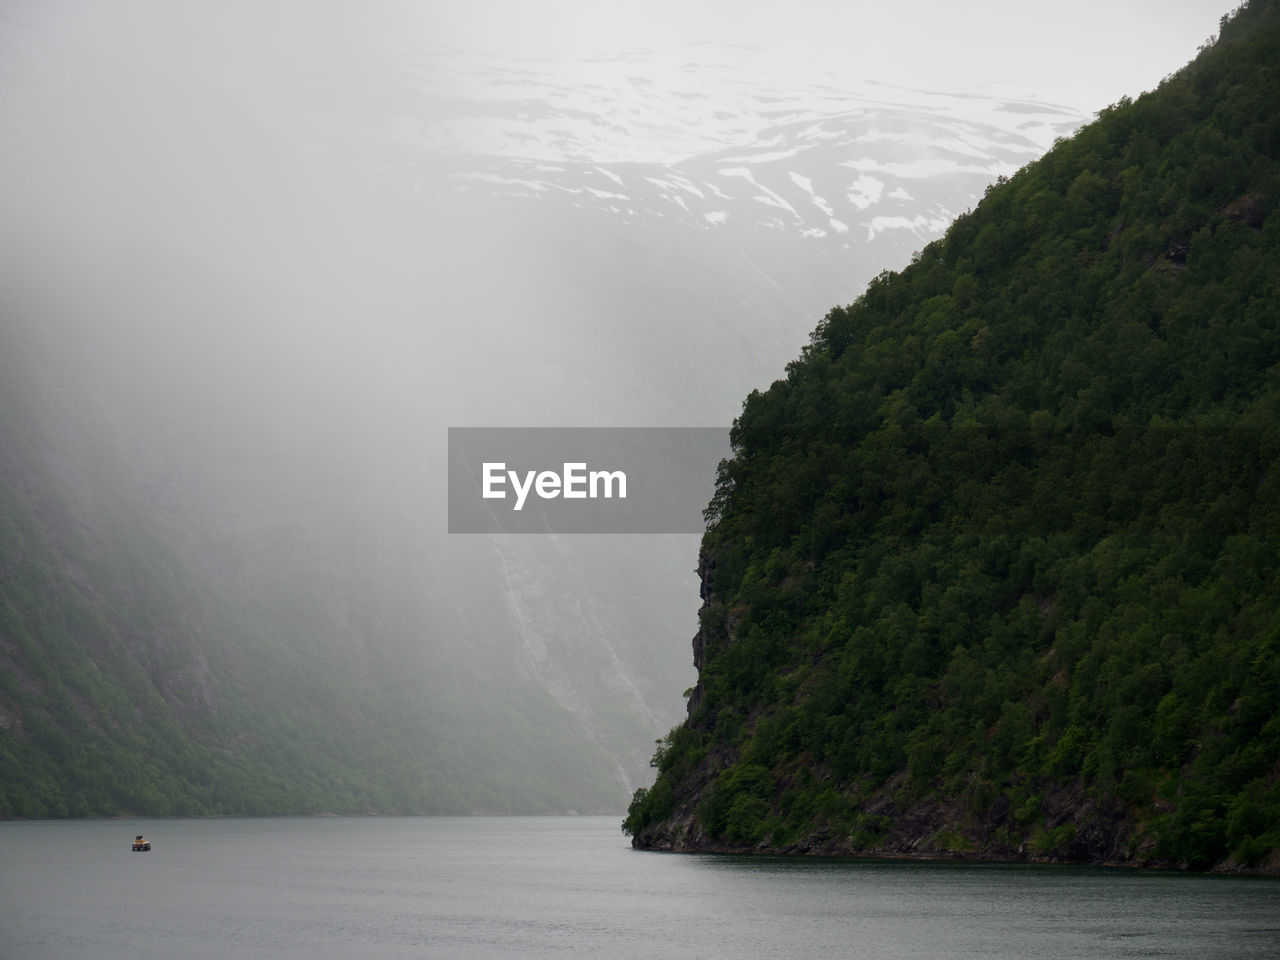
(141,843)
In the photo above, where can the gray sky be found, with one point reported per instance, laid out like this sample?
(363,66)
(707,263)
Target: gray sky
(1087,53)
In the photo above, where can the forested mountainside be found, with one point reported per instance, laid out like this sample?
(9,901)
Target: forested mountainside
(139,676)
(993,571)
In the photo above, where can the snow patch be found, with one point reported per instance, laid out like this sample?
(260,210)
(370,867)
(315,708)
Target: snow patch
(920,225)
(807,185)
(766,195)
(764,157)
(487,177)
(688,186)
(865,191)
(921,168)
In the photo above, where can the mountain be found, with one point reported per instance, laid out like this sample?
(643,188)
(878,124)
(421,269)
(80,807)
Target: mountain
(992,571)
(726,137)
(244,299)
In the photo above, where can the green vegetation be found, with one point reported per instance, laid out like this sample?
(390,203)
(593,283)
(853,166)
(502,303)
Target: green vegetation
(127,692)
(129,686)
(994,571)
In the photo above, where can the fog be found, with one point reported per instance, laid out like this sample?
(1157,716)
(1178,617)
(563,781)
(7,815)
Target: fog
(1086,54)
(249,310)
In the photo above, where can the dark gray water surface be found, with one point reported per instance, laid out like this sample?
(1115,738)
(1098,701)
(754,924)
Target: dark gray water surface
(571,887)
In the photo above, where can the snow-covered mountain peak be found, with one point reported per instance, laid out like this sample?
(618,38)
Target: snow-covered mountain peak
(711,135)
(663,106)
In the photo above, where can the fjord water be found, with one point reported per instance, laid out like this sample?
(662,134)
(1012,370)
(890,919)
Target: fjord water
(571,886)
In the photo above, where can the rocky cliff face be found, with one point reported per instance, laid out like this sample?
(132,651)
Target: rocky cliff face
(1067,822)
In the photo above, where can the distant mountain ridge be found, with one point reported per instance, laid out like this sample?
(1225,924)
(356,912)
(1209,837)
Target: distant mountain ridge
(667,106)
(723,136)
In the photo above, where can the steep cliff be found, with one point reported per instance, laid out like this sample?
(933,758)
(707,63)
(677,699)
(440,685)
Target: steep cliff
(993,570)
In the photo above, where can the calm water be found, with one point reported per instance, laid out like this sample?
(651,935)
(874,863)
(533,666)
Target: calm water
(570,887)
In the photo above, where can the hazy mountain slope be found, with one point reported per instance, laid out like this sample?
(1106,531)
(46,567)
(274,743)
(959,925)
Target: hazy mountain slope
(241,309)
(993,570)
(139,680)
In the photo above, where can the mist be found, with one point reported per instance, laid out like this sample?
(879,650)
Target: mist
(246,293)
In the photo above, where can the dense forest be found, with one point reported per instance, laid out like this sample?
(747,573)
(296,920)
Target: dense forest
(993,570)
